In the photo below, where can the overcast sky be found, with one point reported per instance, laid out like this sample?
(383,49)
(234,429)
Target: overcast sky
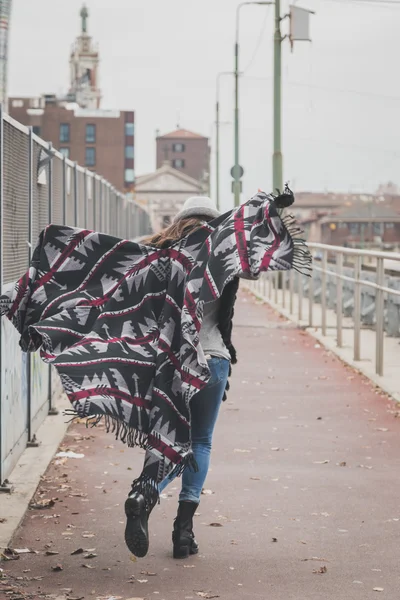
(341,125)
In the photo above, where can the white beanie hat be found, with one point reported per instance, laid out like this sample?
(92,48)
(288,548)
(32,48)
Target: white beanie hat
(198,206)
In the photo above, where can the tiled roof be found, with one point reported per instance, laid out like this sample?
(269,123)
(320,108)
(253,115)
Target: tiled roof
(182,133)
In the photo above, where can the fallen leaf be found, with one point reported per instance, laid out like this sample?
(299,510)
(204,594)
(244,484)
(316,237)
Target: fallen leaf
(24,551)
(9,554)
(88,566)
(189,566)
(207,595)
(51,553)
(255,478)
(216,525)
(274,539)
(384,429)
(57,568)
(321,462)
(207,492)
(240,450)
(142,580)
(378,589)
(148,573)
(90,555)
(78,551)
(316,558)
(69,455)
(343,464)
(42,504)
(320,571)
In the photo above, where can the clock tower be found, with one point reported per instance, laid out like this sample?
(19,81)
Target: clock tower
(84,68)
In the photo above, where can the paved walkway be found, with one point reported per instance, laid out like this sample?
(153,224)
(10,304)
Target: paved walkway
(304,481)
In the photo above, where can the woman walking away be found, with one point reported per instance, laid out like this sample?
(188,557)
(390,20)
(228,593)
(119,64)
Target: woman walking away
(134,331)
(215,341)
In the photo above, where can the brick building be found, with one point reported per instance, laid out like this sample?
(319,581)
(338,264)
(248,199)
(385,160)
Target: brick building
(102,140)
(362,225)
(187,152)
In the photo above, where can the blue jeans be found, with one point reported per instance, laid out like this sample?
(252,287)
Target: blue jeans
(204,412)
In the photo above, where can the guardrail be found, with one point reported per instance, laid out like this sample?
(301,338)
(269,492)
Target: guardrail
(38,186)
(344,288)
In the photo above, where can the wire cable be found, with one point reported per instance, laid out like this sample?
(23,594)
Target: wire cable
(259,41)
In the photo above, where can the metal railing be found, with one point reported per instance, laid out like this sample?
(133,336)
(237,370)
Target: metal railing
(342,283)
(38,186)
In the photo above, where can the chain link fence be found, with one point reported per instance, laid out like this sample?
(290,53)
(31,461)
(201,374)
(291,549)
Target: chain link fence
(38,186)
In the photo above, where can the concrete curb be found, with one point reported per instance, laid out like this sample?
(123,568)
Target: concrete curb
(343,353)
(25,478)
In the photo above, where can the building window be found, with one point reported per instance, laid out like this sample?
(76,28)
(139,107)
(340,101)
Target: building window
(129,176)
(90,134)
(129,152)
(65,152)
(178,147)
(36,129)
(378,228)
(178,163)
(17,103)
(64,133)
(129,129)
(354,228)
(90,157)
(389,225)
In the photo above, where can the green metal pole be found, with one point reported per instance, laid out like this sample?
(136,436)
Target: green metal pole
(236,183)
(277,168)
(217,153)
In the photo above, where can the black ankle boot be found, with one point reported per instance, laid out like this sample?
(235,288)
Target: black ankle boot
(137,510)
(182,535)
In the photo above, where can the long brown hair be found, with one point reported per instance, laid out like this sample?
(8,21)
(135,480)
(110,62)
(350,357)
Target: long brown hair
(174,232)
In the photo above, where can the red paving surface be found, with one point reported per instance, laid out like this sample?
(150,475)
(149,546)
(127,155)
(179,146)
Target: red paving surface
(305,475)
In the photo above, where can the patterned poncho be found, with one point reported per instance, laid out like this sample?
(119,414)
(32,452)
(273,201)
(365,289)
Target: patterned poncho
(120,320)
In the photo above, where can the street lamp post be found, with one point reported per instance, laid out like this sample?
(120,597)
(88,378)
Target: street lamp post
(277,168)
(217,124)
(236,172)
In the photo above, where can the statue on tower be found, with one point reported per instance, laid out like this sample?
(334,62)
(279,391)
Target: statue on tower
(84,16)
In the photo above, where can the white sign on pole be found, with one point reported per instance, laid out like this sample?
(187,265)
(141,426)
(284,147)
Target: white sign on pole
(299,25)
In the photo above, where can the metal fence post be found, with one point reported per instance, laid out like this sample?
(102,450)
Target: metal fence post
(94,193)
(85,200)
(357,308)
(4,487)
(64,189)
(300,296)
(380,316)
(339,300)
(31,439)
(323,291)
(52,409)
(276,280)
(283,279)
(310,301)
(76,194)
(110,203)
(291,290)
(101,196)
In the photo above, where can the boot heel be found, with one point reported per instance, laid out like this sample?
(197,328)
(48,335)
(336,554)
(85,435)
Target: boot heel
(182,551)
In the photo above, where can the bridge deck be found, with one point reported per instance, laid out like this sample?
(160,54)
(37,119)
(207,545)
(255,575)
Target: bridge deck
(305,477)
